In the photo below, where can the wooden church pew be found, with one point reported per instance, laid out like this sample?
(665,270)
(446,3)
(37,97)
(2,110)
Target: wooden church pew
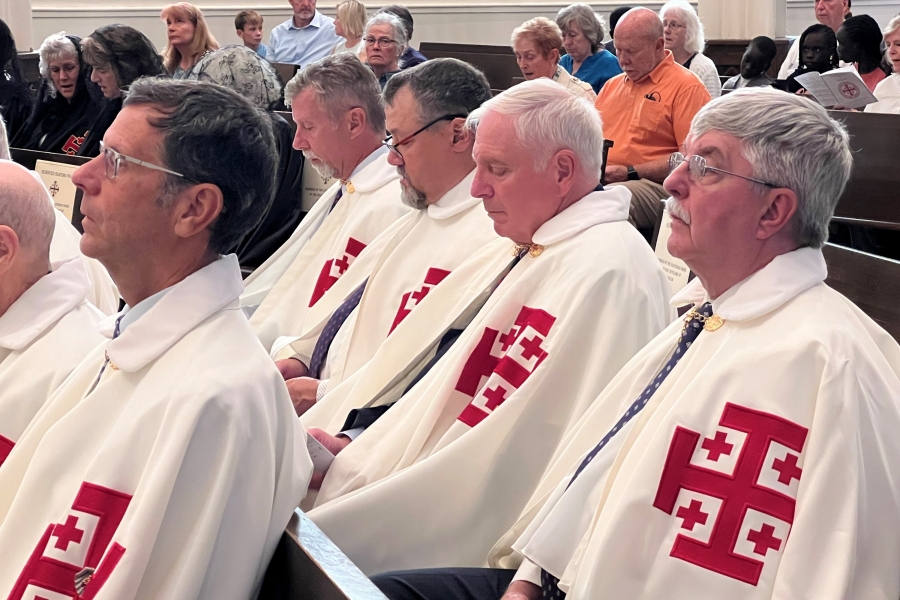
(498,63)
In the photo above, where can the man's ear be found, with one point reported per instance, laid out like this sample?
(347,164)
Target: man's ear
(196,208)
(777,212)
(463,138)
(562,166)
(9,248)
(356,122)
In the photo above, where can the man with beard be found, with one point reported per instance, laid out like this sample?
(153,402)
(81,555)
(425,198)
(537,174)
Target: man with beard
(426,109)
(336,104)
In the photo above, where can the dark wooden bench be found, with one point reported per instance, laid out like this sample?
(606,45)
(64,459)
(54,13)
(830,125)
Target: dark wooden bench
(308,565)
(727,55)
(498,63)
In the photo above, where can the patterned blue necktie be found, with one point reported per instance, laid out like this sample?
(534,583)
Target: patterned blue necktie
(320,352)
(549,583)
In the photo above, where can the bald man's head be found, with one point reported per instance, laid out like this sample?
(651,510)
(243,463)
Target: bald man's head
(26,209)
(640,45)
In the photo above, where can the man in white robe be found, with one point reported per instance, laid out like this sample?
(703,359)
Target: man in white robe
(336,105)
(46,324)
(750,451)
(447,469)
(169,462)
(431,147)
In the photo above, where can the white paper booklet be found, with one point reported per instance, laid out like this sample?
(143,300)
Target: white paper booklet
(840,87)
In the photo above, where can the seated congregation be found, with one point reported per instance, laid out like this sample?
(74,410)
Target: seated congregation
(464,364)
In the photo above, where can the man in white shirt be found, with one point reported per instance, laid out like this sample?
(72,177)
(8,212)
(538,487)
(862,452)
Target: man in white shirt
(169,462)
(337,107)
(426,109)
(304,38)
(47,326)
(573,292)
(750,451)
(828,12)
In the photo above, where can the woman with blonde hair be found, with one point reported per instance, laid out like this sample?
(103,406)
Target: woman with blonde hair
(190,40)
(350,23)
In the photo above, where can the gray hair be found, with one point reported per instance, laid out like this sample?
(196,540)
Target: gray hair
(547,119)
(892,26)
(694,35)
(399,30)
(340,82)
(56,46)
(27,210)
(590,24)
(4,141)
(232,147)
(791,143)
(442,86)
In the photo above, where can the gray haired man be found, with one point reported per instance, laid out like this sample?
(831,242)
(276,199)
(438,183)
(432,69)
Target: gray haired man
(749,451)
(337,107)
(169,462)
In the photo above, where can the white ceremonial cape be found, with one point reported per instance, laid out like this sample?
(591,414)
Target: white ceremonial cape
(66,243)
(415,255)
(171,468)
(43,337)
(766,465)
(321,249)
(449,467)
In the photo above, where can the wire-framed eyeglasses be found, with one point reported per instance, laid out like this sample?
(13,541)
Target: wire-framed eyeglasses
(389,140)
(697,167)
(113,160)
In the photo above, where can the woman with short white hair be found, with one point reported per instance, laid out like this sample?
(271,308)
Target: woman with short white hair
(684,36)
(888,90)
(385,40)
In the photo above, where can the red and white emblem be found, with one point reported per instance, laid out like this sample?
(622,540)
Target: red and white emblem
(76,548)
(410,299)
(734,492)
(500,363)
(334,268)
(72,145)
(6,446)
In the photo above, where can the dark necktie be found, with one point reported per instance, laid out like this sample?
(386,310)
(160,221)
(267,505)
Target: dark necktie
(549,583)
(337,197)
(320,352)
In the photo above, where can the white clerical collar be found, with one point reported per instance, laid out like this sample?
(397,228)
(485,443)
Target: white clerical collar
(44,303)
(183,307)
(606,206)
(372,173)
(130,315)
(787,276)
(456,200)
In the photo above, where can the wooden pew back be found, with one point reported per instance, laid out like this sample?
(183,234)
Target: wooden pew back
(727,55)
(498,63)
(308,565)
(871,282)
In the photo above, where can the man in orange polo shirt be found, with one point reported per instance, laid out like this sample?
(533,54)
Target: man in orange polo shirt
(647,111)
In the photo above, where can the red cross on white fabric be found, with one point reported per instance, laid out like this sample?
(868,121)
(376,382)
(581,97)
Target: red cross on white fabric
(67,533)
(787,469)
(764,540)
(717,446)
(691,515)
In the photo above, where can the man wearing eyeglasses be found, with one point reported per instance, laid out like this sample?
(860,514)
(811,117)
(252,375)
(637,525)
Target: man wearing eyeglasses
(169,462)
(549,312)
(336,105)
(750,451)
(386,41)
(431,149)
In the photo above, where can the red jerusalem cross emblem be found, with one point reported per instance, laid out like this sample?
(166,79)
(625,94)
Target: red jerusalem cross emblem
(74,558)
(410,299)
(334,268)
(734,492)
(506,360)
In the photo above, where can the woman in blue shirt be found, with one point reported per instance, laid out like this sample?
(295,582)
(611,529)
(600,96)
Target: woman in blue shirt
(585,58)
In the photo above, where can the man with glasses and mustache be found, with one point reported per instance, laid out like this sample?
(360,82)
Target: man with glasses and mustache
(431,149)
(750,451)
(337,107)
(170,460)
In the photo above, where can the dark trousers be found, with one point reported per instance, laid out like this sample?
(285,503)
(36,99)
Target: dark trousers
(445,584)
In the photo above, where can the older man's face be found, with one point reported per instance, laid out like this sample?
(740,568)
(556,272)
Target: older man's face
(637,55)
(122,219)
(322,143)
(518,198)
(304,9)
(718,216)
(831,12)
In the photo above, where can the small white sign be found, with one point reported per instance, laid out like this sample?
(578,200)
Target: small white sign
(677,272)
(57,178)
(314,185)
